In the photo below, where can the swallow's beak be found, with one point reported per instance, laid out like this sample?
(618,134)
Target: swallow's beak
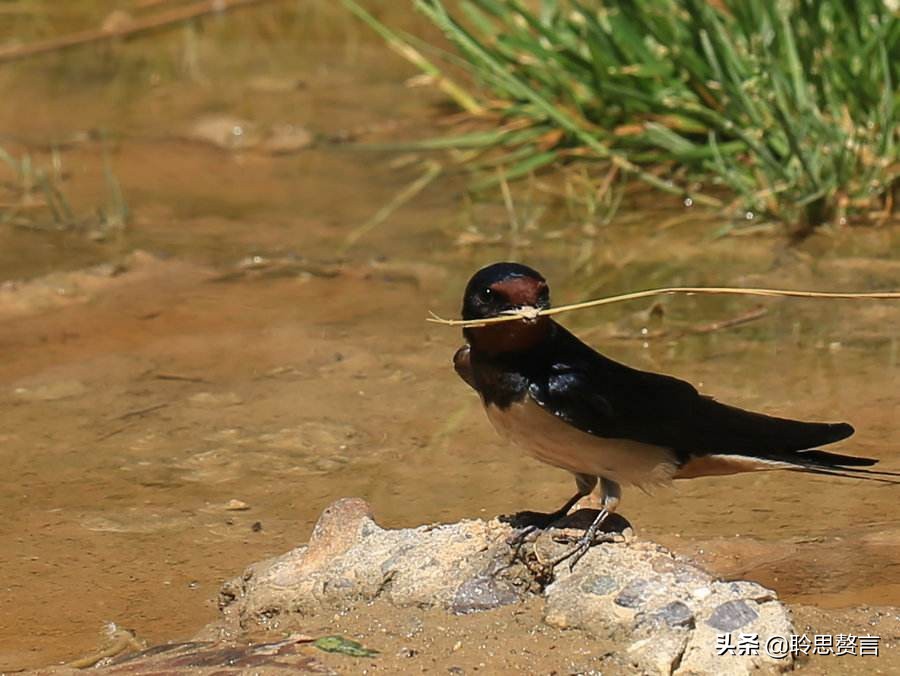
(530,313)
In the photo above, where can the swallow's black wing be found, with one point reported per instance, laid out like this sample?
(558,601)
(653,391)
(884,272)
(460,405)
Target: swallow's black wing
(608,399)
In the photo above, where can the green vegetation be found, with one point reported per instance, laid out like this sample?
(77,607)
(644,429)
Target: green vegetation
(785,109)
(35,200)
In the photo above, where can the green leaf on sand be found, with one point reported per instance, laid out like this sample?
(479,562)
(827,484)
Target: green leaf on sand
(339,644)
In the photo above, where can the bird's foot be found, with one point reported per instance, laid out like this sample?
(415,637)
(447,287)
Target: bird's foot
(574,554)
(529,526)
(529,523)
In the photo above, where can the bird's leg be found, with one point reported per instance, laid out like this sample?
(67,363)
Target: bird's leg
(542,521)
(611,493)
(585,484)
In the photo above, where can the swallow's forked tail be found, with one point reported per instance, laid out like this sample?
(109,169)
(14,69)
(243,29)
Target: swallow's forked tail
(761,442)
(812,461)
(816,461)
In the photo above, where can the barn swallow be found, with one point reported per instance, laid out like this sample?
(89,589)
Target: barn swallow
(607,423)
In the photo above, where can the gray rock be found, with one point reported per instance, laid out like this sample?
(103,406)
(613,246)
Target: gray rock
(677,614)
(600,586)
(635,594)
(483,593)
(664,612)
(732,615)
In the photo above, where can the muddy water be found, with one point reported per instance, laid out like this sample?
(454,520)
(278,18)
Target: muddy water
(152,376)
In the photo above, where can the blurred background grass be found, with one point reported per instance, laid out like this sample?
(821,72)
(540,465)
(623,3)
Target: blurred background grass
(768,112)
(783,110)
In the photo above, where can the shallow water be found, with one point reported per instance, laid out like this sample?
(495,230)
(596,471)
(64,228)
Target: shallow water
(144,391)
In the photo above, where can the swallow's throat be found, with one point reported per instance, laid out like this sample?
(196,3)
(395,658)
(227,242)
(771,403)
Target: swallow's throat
(509,337)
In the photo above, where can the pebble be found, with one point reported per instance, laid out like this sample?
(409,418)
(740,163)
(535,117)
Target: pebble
(214,399)
(53,391)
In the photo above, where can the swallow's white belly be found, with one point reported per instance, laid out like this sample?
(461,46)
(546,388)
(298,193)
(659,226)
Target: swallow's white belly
(555,442)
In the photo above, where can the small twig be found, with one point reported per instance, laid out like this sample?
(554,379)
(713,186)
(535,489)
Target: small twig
(175,376)
(112,433)
(698,329)
(747,317)
(161,20)
(141,411)
(689,290)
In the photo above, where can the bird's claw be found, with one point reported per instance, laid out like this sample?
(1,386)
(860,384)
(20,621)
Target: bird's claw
(521,534)
(584,543)
(516,540)
(573,554)
(538,522)
(591,536)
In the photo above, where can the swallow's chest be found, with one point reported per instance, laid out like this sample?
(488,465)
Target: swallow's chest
(550,439)
(543,435)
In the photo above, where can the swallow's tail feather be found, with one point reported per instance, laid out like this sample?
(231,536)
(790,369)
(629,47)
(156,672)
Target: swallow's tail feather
(816,461)
(810,461)
(732,440)
(828,459)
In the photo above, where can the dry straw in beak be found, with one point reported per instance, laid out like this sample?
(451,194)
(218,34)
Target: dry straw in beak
(533,313)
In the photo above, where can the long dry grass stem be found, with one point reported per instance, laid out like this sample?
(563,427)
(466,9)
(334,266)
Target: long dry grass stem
(669,290)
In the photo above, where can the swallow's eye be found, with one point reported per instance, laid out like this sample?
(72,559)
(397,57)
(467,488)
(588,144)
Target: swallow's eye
(486,295)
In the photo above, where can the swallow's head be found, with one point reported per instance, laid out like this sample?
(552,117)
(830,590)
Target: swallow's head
(505,288)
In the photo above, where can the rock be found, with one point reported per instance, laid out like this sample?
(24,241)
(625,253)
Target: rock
(215,399)
(351,560)
(732,615)
(666,613)
(284,139)
(770,619)
(482,593)
(236,134)
(335,530)
(676,614)
(225,131)
(51,391)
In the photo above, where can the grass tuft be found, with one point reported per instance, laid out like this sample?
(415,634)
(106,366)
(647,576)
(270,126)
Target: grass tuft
(34,198)
(788,107)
